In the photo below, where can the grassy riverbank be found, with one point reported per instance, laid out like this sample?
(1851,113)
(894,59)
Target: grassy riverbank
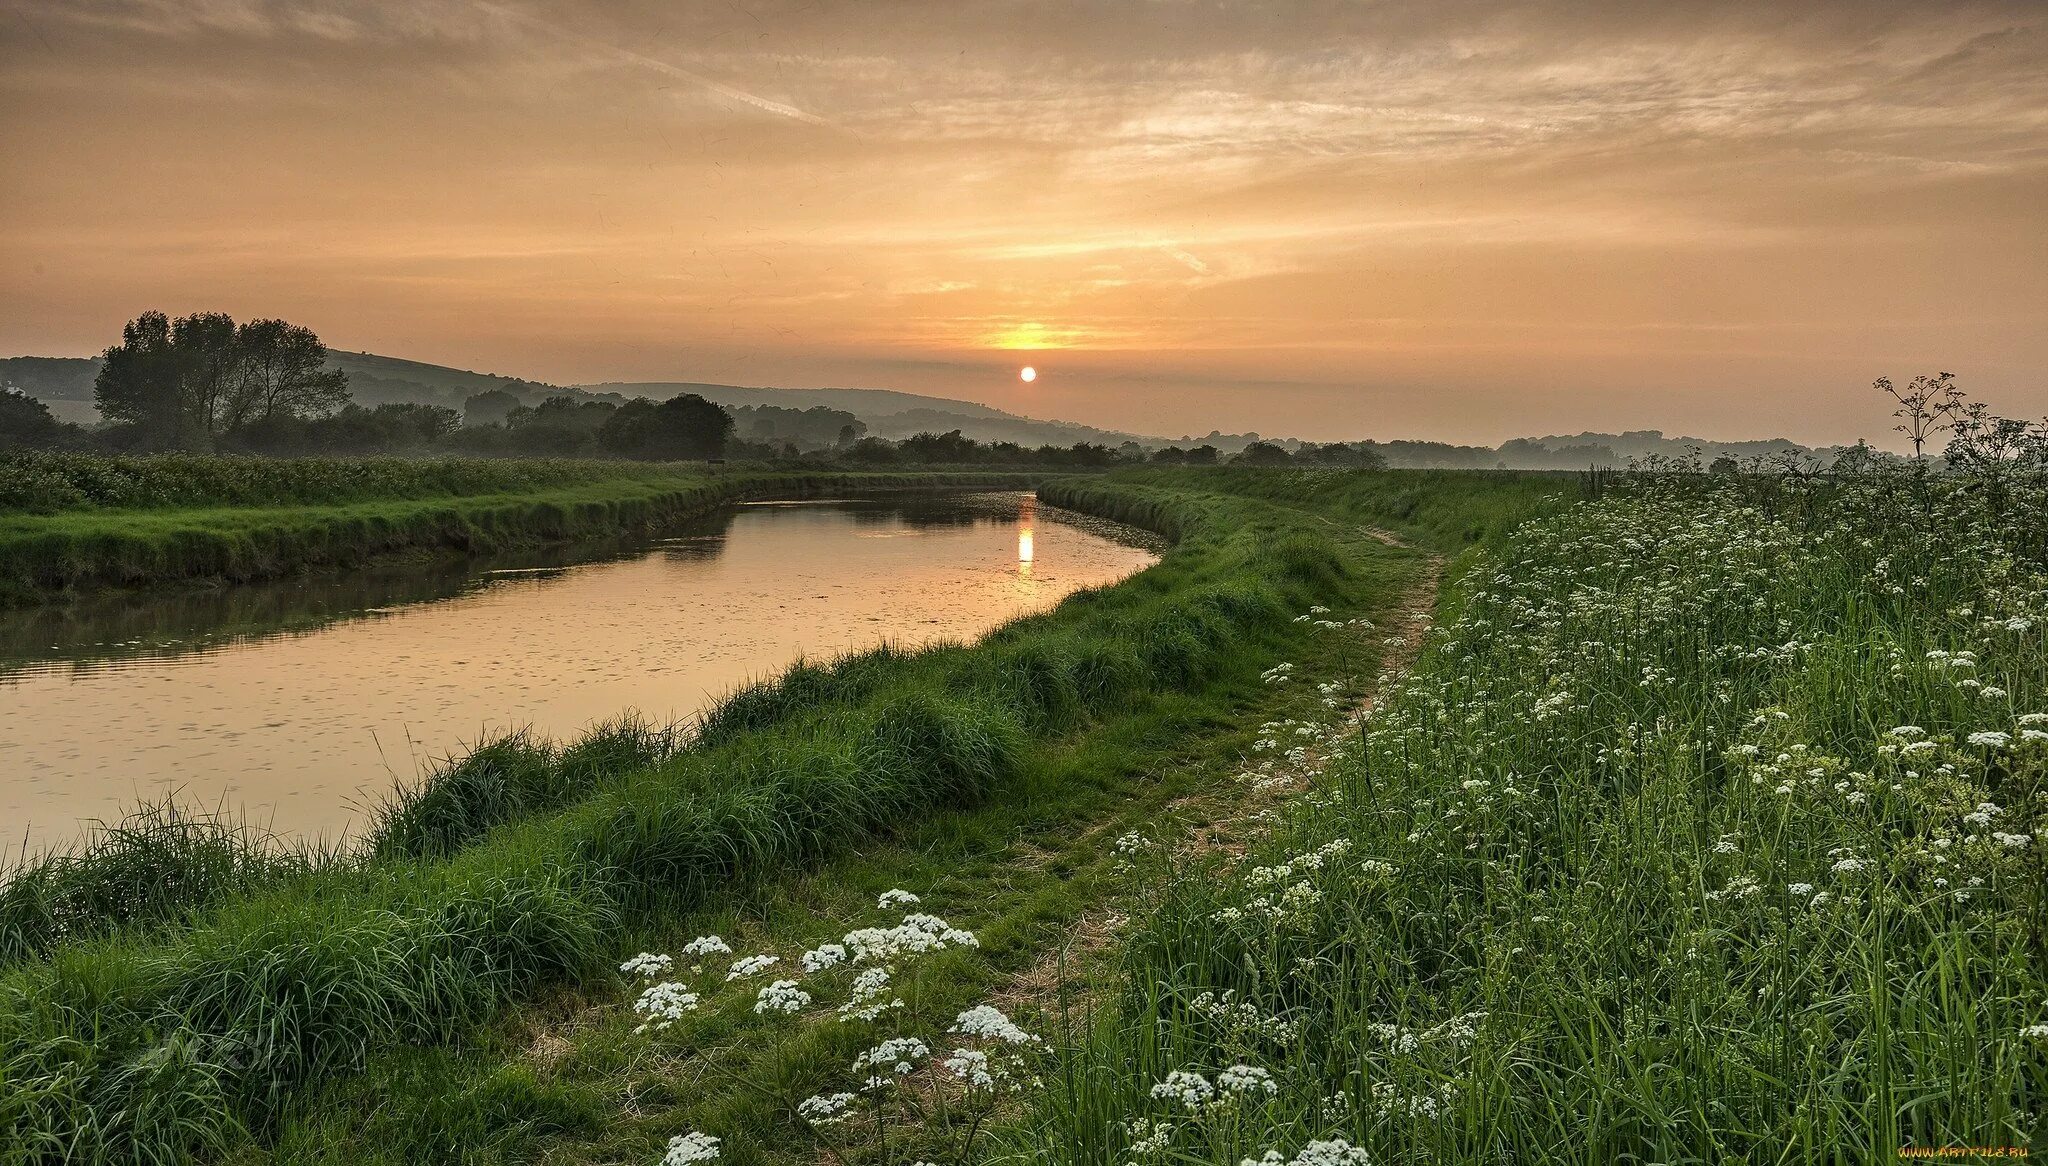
(75,522)
(162,1044)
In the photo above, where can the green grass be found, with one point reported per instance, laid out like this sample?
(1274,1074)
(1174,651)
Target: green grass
(47,483)
(1634,868)
(160,1046)
(1024,870)
(46,556)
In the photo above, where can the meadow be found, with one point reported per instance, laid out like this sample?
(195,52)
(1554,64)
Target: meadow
(1706,830)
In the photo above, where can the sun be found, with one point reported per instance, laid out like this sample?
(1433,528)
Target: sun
(1028,375)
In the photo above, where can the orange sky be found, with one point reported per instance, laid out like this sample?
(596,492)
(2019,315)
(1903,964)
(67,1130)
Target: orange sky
(1331,220)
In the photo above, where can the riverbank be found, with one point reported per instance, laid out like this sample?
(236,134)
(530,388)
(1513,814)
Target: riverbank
(358,511)
(787,776)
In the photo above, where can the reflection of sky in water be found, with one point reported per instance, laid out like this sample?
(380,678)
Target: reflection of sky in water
(302,727)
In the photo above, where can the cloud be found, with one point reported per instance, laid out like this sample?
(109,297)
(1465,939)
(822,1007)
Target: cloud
(1330,189)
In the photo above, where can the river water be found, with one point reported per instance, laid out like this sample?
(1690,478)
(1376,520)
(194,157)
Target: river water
(298,705)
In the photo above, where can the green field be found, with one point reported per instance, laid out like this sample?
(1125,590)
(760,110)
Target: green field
(77,522)
(1700,827)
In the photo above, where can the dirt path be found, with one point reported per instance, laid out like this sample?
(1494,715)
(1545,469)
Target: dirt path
(1230,819)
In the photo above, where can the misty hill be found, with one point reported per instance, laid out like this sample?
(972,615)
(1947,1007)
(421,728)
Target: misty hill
(889,413)
(65,384)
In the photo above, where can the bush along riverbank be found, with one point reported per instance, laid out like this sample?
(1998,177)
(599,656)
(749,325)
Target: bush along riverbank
(169,1044)
(1707,829)
(194,519)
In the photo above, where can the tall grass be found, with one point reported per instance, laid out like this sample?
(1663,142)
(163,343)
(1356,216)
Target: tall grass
(511,777)
(163,1047)
(1708,830)
(157,866)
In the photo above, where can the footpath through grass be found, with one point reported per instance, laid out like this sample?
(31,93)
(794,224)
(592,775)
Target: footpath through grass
(201,1033)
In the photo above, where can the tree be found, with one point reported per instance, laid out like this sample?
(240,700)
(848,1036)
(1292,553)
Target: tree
(1262,453)
(139,384)
(490,407)
(284,374)
(26,423)
(1340,453)
(1723,465)
(1203,455)
(683,427)
(189,381)
(948,448)
(211,372)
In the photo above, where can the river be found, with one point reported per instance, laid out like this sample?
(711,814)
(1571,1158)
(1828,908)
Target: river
(297,705)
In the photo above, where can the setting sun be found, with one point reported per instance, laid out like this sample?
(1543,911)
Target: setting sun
(1028,375)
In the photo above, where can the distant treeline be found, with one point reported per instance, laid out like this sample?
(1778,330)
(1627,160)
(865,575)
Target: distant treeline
(206,383)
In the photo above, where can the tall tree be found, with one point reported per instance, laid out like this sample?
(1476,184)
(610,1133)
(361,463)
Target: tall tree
(285,374)
(210,370)
(187,381)
(682,427)
(140,385)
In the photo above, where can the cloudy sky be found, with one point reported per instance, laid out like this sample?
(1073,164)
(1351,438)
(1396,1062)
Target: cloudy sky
(1437,219)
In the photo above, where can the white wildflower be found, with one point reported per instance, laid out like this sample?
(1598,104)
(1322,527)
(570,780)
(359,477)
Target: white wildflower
(751,966)
(647,965)
(868,998)
(663,1004)
(782,996)
(989,1023)
(684,1149)
(826,1108)
(1189,1089)
(1246,1079)
(825,955)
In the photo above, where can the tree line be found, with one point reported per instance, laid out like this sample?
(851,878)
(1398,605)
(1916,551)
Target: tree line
(208,383)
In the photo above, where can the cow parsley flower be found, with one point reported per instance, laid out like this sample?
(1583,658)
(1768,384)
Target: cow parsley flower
(782,996)
(684,1149)
(663,1004)
(868,997)
(707,945)
(1334,1152)
(895,1057)
(1989,738)
(918,933)
(972,1067)
(826,1108)
(896,897)
(825,955)
(1189,1089)
(1247,1079)
(989,1023)
(648,966)
(751,966)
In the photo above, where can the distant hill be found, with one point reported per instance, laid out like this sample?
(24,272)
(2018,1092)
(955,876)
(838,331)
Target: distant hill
(65,384)
(889,413)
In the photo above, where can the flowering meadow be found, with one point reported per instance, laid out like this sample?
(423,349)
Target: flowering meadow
(1707,829)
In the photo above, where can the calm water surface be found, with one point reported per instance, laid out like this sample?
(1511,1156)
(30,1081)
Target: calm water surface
(299,704)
